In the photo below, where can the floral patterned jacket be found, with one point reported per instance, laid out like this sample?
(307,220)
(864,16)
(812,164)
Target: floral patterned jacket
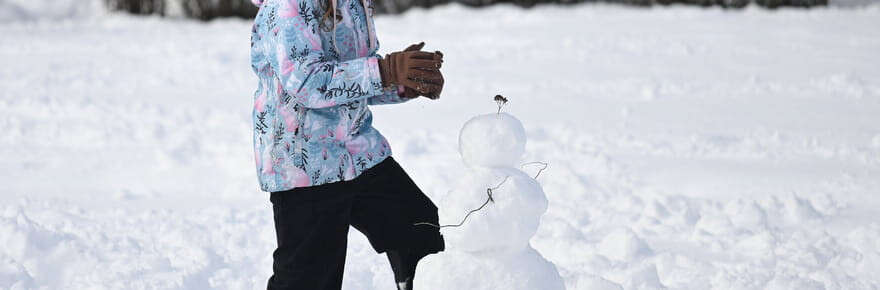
(312,123)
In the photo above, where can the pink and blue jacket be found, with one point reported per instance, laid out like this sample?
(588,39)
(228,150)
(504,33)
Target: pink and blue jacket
(312,121)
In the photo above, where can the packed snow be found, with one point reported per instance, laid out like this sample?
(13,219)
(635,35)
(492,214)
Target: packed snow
(689,148)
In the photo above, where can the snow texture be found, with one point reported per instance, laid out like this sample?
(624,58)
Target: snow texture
(689,148)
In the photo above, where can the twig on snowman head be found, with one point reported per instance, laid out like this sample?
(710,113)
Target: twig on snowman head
(501,101)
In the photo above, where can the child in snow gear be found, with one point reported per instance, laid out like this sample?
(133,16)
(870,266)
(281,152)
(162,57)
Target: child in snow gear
(315,148)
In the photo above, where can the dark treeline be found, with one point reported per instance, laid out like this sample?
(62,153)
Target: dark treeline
(210,9)
(200,9)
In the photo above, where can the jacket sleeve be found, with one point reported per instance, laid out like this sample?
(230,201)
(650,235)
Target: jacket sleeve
(307,71)
(388,98)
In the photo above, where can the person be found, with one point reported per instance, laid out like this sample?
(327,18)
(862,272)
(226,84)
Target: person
(316,150)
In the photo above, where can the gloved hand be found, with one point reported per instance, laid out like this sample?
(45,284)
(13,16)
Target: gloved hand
(440,81)
(414,69)
(412,93)
(408,92)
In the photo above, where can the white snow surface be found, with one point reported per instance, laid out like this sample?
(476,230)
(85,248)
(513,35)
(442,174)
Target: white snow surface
(689,148)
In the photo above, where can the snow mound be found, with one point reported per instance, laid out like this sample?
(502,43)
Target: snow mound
(623,245)
(206,249)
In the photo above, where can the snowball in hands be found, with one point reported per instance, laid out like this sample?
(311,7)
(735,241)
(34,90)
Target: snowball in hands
(491,249)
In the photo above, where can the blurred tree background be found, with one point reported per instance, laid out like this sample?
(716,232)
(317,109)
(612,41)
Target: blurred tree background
(210,9)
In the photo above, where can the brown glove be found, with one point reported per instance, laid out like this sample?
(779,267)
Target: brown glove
(408,92)
(418,70)
(438,80)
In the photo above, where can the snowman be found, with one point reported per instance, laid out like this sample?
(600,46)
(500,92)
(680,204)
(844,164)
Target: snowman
(488,247)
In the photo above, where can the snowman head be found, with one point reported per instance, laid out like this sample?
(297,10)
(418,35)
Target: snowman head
(492,140)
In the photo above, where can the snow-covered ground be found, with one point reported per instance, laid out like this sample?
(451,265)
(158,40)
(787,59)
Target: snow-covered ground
(689,148)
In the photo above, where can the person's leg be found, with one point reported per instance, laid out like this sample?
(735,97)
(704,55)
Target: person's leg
(311,226)
(403,264)
(386,206)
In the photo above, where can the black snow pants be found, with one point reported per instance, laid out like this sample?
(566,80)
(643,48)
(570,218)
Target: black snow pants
(311,225)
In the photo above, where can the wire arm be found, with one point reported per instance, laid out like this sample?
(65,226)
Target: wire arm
(544,166)
(489,199)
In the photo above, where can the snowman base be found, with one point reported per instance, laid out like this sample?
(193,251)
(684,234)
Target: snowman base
(522,270)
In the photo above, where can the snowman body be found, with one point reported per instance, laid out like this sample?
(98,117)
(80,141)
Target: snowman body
(491,249)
